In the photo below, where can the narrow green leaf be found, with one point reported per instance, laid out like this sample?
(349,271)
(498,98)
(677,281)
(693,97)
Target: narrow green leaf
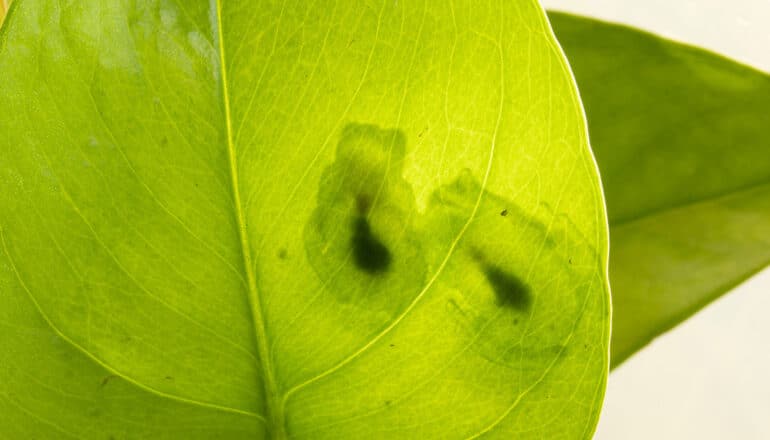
(681,138)
(3,9)
(311,220)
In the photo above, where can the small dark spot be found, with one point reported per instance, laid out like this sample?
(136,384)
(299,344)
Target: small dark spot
(387,403)
(107,379)
(283,254)
(169,378)
(392,345)
(370,254)
(570,261)
(504,212)
(510,290)
(516,321)
(363,204)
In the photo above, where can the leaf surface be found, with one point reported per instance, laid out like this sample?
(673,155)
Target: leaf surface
(681,138)
(305,220)
(3,10)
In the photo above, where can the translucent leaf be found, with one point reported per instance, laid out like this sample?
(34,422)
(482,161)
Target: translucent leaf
(305,220)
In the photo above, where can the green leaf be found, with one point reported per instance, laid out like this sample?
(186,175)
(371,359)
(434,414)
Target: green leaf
(3,10)
(307,220)
(681,139)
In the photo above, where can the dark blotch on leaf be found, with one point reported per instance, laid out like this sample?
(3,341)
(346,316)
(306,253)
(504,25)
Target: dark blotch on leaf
(368,251)
(363,204)
(510,290)
(504,212)
(107,379)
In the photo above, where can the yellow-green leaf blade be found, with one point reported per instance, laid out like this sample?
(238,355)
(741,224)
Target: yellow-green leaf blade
(297,220)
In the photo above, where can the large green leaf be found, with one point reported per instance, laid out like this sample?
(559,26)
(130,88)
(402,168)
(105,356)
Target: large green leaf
(240,219)
(681,138)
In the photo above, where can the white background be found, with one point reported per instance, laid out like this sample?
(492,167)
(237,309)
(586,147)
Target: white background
(709,378)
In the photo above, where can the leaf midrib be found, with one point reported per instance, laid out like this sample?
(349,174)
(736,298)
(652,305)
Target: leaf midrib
(688,204)
(274,416)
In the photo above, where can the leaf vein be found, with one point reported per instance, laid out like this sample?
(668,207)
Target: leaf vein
(441,267)
(101,363)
